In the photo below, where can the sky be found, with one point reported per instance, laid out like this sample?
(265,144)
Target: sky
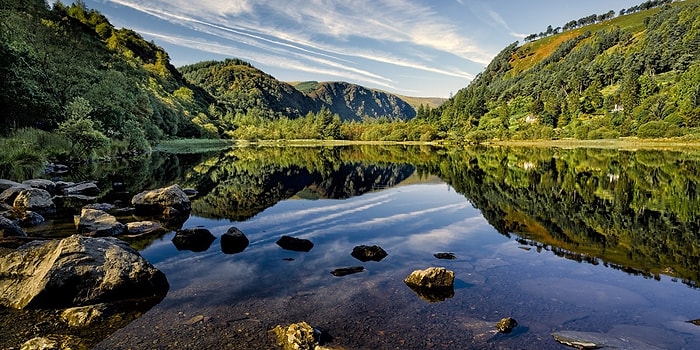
(426,48)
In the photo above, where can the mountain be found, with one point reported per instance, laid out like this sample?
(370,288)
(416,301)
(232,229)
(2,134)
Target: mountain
(637,74)
(245,90)
(354,102)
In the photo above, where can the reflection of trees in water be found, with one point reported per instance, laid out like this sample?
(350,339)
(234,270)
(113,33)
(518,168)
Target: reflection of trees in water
(637,211)
(245,181)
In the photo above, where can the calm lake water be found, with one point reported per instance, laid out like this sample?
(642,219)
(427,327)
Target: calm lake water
(588,240)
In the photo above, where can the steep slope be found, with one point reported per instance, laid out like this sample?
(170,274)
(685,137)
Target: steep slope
(53,58)
(633,75)
(354,102)
(244,89)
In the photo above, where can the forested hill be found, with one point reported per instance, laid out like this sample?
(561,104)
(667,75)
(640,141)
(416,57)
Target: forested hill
(68,68)
(634,74)
(247,91)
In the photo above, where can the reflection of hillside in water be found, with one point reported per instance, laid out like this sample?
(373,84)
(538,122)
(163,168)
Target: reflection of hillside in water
(633,211)
(239,184)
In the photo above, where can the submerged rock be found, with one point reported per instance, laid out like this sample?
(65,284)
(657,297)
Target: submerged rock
(158,200)
(196,239)
(590,340)
(92,222)
(76,271)
(233,241)
(347,271)
(295,244)
(369,253)
(140,228)
(506,325)
(445,256)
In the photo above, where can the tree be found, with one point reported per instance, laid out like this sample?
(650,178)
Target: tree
(81,131)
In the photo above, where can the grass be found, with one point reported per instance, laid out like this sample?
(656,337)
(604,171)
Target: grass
(182,146)
(626,143)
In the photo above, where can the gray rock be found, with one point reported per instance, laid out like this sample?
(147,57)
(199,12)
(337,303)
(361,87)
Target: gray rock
(43,184)
(31,219)
(139,228)
(233,241)
(366,253)
(35,199)
(9,228)
(156,201)
(8,195)
(83,188)
(590,340)
(295,244)
(197,239)
(432,277)
(5,184)
(76,271)
(106,207)
(92,222)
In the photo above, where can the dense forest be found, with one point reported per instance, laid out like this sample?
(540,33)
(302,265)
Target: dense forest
(74,88)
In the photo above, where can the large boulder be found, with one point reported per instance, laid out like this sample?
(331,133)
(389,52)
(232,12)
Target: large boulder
(93,222)
(9,228)
(366,253)
(196,239)
(43,184)
(233,241)
(432,284)
(35,199)
(159,200)
(77,271)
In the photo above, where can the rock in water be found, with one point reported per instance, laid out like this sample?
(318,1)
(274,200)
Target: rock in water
(77,271)
(347,271)
(158,200)
(298,336)
(368,253)
(590,340)
(295,244)
(445,256)
(233,241)
(92,222)
(432,284)
(196,239)
(9,228)
(506,325)
(34,199)
(432,277)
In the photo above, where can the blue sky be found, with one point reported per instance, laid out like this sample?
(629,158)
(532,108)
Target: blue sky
(415,48)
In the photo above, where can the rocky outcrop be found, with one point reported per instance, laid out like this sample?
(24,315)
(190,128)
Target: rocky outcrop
(34,199)
(196,239)
(97,223)
(295,244)
(233,241)
(432,284)
(366,253)
(155,202)
(76,271)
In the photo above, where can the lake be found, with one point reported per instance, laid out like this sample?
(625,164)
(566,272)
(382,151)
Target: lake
(589,240)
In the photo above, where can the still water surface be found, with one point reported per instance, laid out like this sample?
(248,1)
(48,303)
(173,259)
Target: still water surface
(584,240)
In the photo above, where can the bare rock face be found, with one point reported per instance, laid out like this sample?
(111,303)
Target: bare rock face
(76,271)
(34,199)
(158,200)
(92,222)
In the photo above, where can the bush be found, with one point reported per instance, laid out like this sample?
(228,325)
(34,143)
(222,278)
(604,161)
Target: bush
(658,128)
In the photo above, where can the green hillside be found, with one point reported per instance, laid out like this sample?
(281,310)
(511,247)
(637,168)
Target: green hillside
(634,75)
